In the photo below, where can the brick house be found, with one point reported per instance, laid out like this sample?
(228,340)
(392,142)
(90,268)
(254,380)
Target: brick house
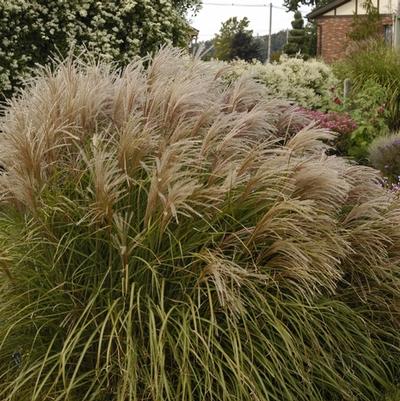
(334,21)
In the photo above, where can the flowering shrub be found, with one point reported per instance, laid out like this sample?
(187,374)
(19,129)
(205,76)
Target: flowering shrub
(385,156)
(32,30)
(341,123)
(307,83)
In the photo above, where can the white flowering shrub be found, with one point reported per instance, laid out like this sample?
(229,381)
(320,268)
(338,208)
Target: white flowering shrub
(306,83)
(31,31)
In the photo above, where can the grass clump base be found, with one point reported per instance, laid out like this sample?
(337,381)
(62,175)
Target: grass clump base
(159,242)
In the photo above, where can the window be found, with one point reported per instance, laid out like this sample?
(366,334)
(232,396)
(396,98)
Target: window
(388,34)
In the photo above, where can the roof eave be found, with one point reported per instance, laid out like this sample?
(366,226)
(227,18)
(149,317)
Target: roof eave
(326,8)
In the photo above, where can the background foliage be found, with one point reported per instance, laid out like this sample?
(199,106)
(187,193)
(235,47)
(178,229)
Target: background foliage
(244,47)
(293,5)
(235,40)
(278,40)
(374,64)
(33,31)
(306,83)
(374,101)
(368,109)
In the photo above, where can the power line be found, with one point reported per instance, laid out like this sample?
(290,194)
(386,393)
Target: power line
(242,5)
(279,8)
(235,5)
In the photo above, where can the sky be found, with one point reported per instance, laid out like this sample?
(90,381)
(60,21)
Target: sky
(209,19)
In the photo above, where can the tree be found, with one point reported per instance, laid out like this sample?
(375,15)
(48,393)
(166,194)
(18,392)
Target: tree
(235,40)
(32,31)
(278,41)
(366,26)
(297,36)
(293,5)
(223,40)
(184,6)
(244,47)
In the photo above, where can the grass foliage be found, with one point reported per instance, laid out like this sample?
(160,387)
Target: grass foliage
(372,62)
(158,242)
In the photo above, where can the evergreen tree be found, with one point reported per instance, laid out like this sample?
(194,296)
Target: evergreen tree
(297,36)
(244,47)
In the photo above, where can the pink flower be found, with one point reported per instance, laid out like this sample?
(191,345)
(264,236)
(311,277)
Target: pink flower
(337,122)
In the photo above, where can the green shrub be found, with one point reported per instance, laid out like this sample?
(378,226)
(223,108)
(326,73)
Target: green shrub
(157,243)
(307,83)
(32,31)
(368,109)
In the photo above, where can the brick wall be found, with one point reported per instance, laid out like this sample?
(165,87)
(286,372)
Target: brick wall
(332,35)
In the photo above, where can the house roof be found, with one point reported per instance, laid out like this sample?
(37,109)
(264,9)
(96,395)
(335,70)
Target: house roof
(193,30)
(324,9)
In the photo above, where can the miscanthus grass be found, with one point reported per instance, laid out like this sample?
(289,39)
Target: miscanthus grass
(161,241)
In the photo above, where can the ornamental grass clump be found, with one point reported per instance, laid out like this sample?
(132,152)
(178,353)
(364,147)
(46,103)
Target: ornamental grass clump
(159,242)
(385,156)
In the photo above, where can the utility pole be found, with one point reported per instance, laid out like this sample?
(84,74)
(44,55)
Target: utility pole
(270,33)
